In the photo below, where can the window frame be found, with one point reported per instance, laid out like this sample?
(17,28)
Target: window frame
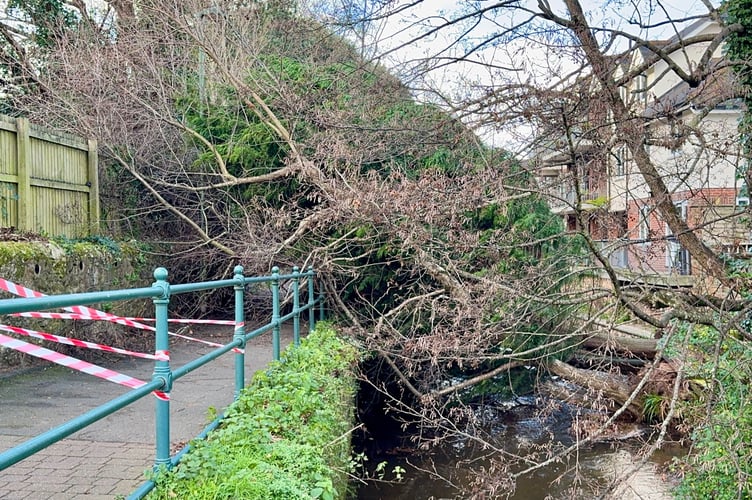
(643,223)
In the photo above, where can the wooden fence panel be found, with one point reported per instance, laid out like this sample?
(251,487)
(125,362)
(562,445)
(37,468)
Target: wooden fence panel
(48,180)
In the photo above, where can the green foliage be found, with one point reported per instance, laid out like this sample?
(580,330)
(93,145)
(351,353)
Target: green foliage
(504,386)
(599,202)
(72,245)
(653,407)
(284,437)
(379,268)
(357,468)
(738,48)
(43,23)
(533,232)
(247,146)
(739,44)
(721,365)
(312,94)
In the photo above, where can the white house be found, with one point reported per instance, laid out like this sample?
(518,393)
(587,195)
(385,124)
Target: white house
(691,137)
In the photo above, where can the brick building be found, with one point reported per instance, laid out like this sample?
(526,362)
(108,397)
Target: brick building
(690,136)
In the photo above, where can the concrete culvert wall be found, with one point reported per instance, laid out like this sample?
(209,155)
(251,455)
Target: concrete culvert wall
(58,267)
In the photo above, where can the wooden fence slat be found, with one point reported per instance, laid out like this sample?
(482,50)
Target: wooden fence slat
(23,157)
(93,186)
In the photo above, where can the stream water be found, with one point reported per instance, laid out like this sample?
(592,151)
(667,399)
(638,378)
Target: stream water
(448,471)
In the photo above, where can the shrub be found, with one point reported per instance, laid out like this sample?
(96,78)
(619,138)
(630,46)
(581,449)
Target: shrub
(286,437)
(718,464)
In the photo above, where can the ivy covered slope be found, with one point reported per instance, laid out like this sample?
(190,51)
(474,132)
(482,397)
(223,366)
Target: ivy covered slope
(287,435)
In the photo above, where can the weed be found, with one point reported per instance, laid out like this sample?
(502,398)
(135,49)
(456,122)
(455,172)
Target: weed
(653,407)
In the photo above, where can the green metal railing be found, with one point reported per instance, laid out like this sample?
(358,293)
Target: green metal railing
(164,376)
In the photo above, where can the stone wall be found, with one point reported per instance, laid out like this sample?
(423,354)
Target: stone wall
(72,267)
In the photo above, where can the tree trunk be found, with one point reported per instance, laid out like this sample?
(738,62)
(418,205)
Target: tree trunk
(637,346)
(611,386)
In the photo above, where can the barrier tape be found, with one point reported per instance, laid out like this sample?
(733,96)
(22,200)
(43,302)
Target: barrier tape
(20,291)
(76,364)
(188,321)
(159,355)
(116,319)
(49,315)
(89,313)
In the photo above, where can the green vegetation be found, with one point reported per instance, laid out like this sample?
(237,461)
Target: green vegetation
(79,245)
(56,266)
(720,362)
(739,49)
(287,437)
(62,265)
(718,465)
(49,17)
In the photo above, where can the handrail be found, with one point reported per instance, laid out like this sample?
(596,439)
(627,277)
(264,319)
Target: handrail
(8,306)
(164,376)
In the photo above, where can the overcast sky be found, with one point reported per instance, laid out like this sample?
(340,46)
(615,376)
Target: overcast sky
(523,58)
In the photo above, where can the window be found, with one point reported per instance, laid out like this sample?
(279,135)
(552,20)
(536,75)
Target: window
(677,258)
(641,88)
(621,161)
(643,227)
(585,181)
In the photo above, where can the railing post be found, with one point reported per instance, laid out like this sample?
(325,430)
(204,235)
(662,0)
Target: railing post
(275,313)
(162,371)
(311,301)
(296,305)
(239,331)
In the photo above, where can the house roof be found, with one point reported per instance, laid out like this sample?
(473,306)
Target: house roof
(717,91)
(649,54)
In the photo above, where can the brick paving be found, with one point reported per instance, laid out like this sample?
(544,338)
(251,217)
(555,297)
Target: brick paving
(76,469)
(109,459)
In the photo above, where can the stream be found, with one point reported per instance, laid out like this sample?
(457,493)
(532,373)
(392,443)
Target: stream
(448,470)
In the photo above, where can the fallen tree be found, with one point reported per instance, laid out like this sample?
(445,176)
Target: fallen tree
(246,131)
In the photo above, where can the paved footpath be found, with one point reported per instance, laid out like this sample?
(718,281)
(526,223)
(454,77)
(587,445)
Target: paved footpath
(76,468)
(109,459)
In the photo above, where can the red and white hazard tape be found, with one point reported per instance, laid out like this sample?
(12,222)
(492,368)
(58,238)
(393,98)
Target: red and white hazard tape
(159,355)
(188,321)
(88,313)
(20,291)
(116,319)
(134,321)
(76,364)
